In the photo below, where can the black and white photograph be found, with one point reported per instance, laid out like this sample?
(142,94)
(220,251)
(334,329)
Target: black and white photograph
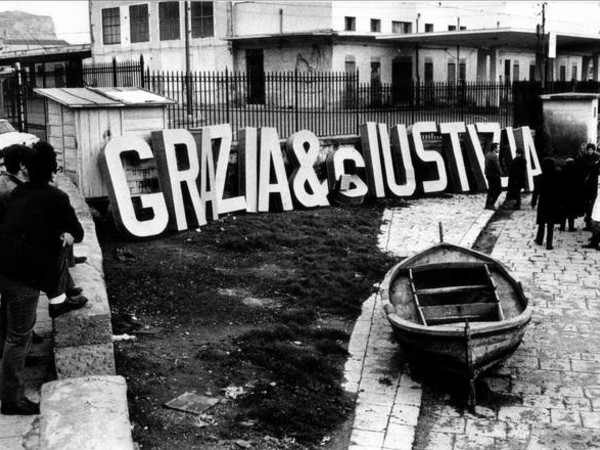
(299,225)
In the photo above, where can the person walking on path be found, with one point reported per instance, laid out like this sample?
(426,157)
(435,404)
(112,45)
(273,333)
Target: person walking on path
(590,161)
(517,177)
(493,175)
(38,223)
(548,190)
(574,194)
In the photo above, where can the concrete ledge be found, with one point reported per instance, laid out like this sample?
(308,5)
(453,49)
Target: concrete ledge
(85,360)
(83,338)
(85,413)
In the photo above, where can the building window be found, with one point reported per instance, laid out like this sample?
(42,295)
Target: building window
(349,23)
(428,28)
(574,72)
(428,71)
(462,70)
(138,23)
(451,27)
(168,20)
(376,25)
(462,28)
(202,19)
(516,74)
(111,26)
(532,72)
(401,27)
(563,73)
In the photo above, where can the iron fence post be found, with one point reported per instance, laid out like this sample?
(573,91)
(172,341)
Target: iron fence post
(227,93)
(357,100)
(296,106)
(114,67)
(142,71)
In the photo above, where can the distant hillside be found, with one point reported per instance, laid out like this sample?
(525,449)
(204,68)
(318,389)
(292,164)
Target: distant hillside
(22,25)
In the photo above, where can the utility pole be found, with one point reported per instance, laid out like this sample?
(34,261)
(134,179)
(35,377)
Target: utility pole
(188,78)
(544,63)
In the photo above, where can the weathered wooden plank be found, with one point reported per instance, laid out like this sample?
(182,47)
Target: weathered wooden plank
(453,289)
(461,312)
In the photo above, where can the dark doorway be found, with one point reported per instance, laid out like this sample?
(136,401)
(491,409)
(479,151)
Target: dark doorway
(402,80)
(256,77)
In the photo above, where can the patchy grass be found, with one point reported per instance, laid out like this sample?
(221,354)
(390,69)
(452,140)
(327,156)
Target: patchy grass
(313,269)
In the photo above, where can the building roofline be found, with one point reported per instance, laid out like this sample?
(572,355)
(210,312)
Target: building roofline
(497,37)
(51,54)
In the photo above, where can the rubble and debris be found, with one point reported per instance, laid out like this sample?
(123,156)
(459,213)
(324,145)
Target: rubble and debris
(192,403)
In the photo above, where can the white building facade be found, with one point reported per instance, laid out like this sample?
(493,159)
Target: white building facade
(392,42)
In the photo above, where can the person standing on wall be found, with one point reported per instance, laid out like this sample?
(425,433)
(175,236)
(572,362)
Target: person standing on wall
(493,175)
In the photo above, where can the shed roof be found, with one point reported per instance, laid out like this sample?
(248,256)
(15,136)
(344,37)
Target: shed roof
(571,96)
(107,97)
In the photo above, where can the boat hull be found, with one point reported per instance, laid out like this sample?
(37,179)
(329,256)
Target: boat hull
(464,349)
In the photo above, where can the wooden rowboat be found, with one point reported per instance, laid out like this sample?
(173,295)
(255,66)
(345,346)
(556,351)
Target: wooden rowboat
(455,310)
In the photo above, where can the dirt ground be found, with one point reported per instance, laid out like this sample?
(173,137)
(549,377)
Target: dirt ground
(253,312)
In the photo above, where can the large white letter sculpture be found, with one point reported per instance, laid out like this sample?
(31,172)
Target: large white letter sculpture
(303,150)
(221,137)
(399,170)
(429,156)
(524,140)
(271,158)
(206,181)
(248,166)
(119,193)
(172,177)
(453,152)
(347,189)
(371,154)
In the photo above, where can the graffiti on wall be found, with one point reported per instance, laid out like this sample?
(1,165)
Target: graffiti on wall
(193,170)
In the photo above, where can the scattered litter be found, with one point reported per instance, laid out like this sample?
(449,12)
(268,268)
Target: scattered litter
(199,423)
(248,423)
(191,402)
(243,444)
(297,343)
(123,323)
(123,337)
(233,392)
(325,440)
(148,329)
(123,254)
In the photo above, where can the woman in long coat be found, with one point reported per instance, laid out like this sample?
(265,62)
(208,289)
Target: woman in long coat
(549,191)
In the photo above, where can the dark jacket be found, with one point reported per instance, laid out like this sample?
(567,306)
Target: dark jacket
(492,165)
(30,230)
(574,189)
(549,191)
(517,175)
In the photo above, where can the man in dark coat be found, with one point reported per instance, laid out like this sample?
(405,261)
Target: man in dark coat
(590,161)
(38,223)
(548,189)
(517,177)
(493,175)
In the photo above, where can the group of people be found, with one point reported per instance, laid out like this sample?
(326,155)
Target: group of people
(562,192)
(38,227)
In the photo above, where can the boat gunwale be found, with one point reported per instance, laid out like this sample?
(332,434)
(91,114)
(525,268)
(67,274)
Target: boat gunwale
(478,329)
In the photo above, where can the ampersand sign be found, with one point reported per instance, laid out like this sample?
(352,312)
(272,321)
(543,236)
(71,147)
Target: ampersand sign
(303,151)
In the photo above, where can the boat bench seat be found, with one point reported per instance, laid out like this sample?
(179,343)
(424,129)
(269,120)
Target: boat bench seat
(476,312)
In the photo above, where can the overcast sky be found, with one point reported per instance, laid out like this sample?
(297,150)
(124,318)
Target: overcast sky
(71,18)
